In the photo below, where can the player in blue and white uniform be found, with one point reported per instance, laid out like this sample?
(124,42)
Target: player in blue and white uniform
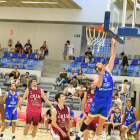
(130,118)
(1,110)
(103,95)
(11,99)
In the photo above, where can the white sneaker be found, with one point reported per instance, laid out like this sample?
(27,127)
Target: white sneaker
(45,131)
(30,132)
(37,134)
(104,135)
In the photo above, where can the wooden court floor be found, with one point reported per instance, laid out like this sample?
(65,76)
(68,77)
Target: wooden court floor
(41,135)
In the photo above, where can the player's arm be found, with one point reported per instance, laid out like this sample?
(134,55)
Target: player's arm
(46,100)
(111,120)
(83,104)
(124,117)
(68,121)
(112,54)
(2,108)
(122,120)
(19,101)
(98,80)
(54,113)
(136,116)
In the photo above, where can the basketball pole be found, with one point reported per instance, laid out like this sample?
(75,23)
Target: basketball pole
(124,13)
(134,14)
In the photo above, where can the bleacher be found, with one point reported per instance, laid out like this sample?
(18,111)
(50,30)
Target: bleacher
(9,60)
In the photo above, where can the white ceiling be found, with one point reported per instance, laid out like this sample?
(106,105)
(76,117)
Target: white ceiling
(67,4)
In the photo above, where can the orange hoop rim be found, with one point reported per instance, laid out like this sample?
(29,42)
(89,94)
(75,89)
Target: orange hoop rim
(97,28)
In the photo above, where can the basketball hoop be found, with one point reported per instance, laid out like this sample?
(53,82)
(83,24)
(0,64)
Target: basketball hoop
(95,35)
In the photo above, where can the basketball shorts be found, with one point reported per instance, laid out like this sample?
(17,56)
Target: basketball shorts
(70,53)
(32,117)
(133,129)
(100,107)
(57,134)
(108,120)
(9,116)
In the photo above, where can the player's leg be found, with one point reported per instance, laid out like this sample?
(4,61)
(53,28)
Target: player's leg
(35,128)
(31,128)
(134,131)
(135,136)
(26,129)
(86,134)
(139,133)
(123,131)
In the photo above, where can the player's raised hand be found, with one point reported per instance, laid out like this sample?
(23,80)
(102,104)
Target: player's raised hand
(64,134)
(113,41)
(103,69)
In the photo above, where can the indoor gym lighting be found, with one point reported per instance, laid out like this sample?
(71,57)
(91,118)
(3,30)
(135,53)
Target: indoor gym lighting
(38,2)
(3,1)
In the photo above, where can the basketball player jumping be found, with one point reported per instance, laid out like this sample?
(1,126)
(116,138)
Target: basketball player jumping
(11,98)
(88,99)
(103,95)
(34,107)
(60,128)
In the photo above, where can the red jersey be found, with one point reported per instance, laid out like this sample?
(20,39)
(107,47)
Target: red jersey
(34,101)
(89,101)
(61,118)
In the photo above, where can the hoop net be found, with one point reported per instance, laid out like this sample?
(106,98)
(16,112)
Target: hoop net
(92,39)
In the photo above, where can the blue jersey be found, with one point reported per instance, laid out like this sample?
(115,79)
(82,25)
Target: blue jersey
(12,100)
(117,119)
(130,116)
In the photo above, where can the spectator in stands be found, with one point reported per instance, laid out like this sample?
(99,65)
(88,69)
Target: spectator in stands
(61,78)
(70,50)
(16,68)
(124,88)
(124,63)
(88,56)
(16,78)
(18,48)
(86,83)
(71,75)
(27,48)
(40,54)
(48,120)
(25,81)
(118,102)
(80,91)
(80,76)
(45,48)
(65,51)
(74,82)
(12,74)
(69,91)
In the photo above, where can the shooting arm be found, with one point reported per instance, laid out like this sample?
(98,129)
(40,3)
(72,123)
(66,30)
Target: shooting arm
(98,80)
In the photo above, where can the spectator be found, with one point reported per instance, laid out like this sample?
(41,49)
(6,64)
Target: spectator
(45,48)
(80,76)
(27,48)
(88,56)
(124,88)
(124,63)
(18,48)
(118,102)
(12,74)
(61,79)
(48,120)
(80,91)
(16,68)
(65,51)
(87,83)
(25,81)
(71,75)
(40,54)
(16,78)
(70,50)
(69,91)
(74,82)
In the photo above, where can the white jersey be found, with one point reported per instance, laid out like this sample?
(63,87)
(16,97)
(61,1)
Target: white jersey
(70,48)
